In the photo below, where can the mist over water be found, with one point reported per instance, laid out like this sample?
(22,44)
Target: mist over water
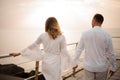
(21,22)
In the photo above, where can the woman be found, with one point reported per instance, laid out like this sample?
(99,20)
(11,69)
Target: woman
(55,57)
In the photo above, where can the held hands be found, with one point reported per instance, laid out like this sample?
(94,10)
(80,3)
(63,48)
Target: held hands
(14,54)
(74,69)
(111,73)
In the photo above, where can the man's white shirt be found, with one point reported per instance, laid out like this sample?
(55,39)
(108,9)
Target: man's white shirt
(98,50)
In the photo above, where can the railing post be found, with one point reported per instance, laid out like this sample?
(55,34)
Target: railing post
(36,70)
(76,44)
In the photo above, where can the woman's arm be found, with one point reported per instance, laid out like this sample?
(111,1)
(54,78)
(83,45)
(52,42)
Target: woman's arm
(32,46)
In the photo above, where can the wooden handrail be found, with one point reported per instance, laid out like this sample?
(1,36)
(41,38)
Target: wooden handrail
(116,37)
(5,56)
(37,62)
(36,70)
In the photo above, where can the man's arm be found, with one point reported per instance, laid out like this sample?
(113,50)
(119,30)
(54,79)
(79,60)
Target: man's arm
(111,56)
(78,51)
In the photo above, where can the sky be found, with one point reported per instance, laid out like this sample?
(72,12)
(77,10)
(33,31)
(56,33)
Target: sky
(33,13)
(22,21)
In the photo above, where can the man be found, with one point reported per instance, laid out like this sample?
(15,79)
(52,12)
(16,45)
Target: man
(99,52)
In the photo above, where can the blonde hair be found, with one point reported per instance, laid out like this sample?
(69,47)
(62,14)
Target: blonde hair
(52,27)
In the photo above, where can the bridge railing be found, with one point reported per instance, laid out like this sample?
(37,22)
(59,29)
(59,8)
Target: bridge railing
(37,62)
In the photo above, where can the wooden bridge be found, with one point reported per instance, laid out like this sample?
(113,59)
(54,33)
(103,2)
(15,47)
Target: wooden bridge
(68,75)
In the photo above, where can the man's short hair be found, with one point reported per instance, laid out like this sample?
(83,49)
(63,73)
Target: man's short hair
(98,18)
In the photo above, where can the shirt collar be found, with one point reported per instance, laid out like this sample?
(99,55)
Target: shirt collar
(95,27)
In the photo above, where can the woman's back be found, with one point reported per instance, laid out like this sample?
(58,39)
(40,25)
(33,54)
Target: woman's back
(51,45)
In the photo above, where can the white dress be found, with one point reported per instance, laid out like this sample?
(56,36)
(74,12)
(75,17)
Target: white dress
(55,57)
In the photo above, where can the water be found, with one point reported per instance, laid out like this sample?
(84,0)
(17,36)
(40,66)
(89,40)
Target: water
(16,40)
